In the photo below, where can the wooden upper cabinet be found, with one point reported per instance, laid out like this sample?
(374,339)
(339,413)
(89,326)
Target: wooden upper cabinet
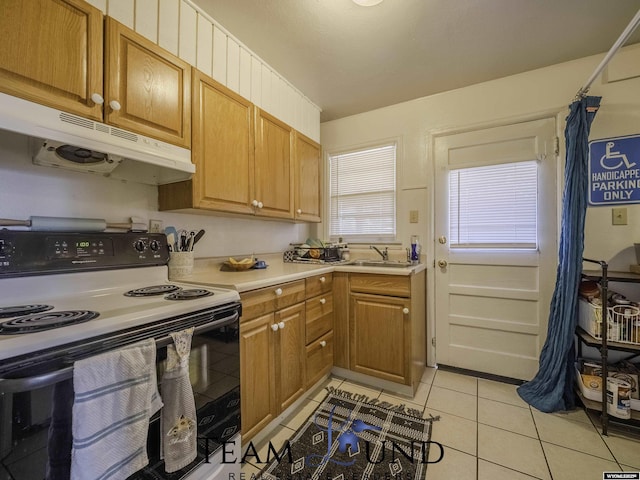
(151,86)
(222,147)
(273,166)
(222,150)
(52,53)
(308,172)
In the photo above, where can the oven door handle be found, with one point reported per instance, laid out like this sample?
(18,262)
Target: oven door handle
(26,384)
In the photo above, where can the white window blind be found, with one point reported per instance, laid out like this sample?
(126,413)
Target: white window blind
(494,206)
(363,195)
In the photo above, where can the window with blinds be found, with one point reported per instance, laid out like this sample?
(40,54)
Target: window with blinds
(363,195)
(494,206)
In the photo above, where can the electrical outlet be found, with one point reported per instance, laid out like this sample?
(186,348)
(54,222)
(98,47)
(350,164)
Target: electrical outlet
(155,226)
(413,216)
(618,216)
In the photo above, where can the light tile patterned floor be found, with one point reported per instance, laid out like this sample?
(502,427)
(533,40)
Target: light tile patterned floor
(490,433)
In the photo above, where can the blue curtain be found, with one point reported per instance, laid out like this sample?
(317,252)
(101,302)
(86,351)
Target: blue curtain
(551,390)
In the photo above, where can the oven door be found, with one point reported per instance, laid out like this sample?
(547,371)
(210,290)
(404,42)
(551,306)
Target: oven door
(31,405)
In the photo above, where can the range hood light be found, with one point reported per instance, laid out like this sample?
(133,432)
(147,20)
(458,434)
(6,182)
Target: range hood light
(367,3)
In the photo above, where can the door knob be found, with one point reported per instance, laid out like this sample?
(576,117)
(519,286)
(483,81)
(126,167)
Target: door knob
(299,211)
(274,327)
(115,105)
(254,203)
(405,310)
(260,205)
(323,343)
(323,301)
(281,325)
(442,263)
(442,240)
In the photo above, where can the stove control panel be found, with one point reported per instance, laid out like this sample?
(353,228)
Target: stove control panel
(31,253)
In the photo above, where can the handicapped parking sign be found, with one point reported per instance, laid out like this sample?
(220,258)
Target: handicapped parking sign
(614,171)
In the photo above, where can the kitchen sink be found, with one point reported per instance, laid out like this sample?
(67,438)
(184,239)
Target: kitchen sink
(380,263)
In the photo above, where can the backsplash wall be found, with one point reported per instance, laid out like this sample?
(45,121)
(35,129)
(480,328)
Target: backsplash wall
(30,190)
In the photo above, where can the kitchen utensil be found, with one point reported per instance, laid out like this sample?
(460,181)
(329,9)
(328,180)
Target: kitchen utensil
(67,224)
(172,237)
(198,236)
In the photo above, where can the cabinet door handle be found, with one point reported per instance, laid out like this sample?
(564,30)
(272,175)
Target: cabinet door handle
(97,99)
(115,105)
(405,310)
(274,327)
(281,325)
(260,205)
(299,211)
(322,279)
(323,301)
(278,291)
(323,343)
(254,203)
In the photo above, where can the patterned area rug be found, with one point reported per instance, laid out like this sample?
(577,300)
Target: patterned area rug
(353,438)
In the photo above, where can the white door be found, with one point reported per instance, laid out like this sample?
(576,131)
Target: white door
(491,298)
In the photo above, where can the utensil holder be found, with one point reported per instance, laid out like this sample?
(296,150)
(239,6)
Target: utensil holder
(180,264)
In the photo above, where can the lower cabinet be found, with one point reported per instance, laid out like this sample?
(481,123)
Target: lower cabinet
(380,334)
(272,353)
(380,324)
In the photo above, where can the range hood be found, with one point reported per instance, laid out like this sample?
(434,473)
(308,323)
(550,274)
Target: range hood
(68,141)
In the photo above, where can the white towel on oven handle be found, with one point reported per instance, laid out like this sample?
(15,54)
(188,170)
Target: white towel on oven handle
(178,425)
(115,395)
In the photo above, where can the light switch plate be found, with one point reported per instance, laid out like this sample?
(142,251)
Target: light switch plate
(413,216)
(618,216)
(155,226)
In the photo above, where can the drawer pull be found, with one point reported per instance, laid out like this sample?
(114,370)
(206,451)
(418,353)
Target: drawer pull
(322,279)
(274,327)
(323,301)
(405,310)
(323,343)
(278,291)
(281,325)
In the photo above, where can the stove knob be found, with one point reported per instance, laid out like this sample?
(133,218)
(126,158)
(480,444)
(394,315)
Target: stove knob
(154,245)
(140,246)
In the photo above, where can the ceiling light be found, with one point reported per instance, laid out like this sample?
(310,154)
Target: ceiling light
(367,3)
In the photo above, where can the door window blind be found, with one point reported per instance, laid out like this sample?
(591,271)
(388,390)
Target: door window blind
(363,195)
(494,206)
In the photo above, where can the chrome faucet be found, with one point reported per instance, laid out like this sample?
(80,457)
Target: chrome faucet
(384,255)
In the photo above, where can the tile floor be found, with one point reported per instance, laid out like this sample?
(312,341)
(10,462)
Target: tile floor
(488,432)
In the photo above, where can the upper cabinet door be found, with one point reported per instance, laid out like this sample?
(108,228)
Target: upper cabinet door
(52,53)
(148,89)
(222,147)
(274,168)
(308,168)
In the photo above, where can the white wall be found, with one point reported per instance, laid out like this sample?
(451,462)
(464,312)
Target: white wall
(27,189)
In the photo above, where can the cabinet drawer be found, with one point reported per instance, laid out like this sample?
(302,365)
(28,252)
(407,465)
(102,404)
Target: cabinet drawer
(265,300)
(393,285)
(319,284)
(319,312)
(319,358)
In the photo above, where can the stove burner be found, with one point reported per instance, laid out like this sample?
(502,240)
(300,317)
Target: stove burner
(17,310)
(152,290)
(189,294)
(45,321)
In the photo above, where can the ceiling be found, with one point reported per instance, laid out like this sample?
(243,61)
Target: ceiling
(349,59)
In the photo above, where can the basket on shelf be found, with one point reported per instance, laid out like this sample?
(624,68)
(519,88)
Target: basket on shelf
(623,321)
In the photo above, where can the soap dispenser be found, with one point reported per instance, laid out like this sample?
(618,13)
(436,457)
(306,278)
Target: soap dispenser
(415,248)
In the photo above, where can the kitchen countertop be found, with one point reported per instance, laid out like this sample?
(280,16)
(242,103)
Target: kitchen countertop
(207,272)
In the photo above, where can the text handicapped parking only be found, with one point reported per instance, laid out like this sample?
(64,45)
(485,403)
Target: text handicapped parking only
(614,170)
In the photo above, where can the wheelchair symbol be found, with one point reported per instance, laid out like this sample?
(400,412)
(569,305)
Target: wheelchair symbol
(611,157)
